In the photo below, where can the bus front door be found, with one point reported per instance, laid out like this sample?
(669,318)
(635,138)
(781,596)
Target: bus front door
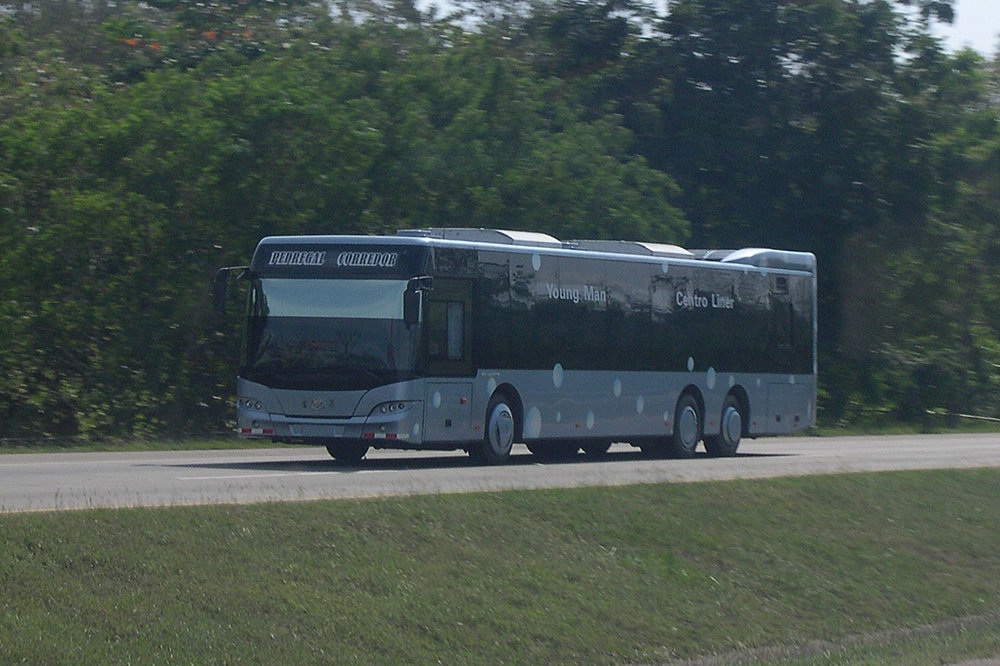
(448,406)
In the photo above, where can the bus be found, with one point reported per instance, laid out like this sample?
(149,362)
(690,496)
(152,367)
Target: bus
(474,339)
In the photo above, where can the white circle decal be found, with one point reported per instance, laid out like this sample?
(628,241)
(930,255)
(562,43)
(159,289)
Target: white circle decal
(536,261)
(690,364)
(710,378)
(616,388)
(533,423)
(436,399)
(640,404)
(590,420)
(557,375)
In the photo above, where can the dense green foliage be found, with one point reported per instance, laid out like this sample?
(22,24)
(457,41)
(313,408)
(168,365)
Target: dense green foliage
(144,144)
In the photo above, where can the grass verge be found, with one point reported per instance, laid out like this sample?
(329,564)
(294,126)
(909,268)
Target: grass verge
(57,445)
(865,568)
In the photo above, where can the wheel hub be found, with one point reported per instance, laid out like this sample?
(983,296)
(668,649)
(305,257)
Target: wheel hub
(687,426)
(732,425)
(501,429)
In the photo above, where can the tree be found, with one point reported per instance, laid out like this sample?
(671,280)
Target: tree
(120,199)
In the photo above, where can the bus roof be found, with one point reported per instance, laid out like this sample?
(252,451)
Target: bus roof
(764,258)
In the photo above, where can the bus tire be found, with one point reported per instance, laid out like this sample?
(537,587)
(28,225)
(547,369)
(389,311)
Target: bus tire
(498,438)
(347,452)
(731,430)
(687,428)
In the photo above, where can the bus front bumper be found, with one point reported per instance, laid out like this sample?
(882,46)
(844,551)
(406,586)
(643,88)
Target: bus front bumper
(400,426)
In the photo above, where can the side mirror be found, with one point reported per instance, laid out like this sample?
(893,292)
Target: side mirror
(411,299)
(220,287)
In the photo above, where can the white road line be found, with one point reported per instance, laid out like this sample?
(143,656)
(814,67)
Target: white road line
(217,477)
(262,475)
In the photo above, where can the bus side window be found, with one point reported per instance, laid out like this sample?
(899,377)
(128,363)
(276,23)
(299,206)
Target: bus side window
(446,329)
(456,330)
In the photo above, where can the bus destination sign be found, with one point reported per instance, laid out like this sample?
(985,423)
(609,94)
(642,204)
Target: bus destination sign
(348,259)
(368,259)
(296,258)
(354,261)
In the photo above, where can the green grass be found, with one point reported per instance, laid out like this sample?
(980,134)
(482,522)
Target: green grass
(934,424)
(58,445)
(864,568)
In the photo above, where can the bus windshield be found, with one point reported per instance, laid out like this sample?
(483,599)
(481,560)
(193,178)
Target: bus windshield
(328,334)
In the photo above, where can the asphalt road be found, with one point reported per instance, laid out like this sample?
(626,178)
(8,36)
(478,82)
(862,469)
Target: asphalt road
(66,481)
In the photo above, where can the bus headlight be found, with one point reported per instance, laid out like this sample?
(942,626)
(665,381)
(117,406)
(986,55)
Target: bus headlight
(388,408)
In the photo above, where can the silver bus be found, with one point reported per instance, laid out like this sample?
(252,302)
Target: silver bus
(476,339)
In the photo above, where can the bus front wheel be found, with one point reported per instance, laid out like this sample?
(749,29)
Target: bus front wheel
(347,452)
(499,436)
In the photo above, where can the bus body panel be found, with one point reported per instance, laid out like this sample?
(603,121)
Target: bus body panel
(587,344)
(623,406)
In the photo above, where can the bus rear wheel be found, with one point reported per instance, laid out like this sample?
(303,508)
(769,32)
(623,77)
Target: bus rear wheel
(728,440)
(347,452)
(687,428)
(499,436)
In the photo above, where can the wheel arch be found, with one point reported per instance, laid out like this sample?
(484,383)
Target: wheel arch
(695,393)
(743,399)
